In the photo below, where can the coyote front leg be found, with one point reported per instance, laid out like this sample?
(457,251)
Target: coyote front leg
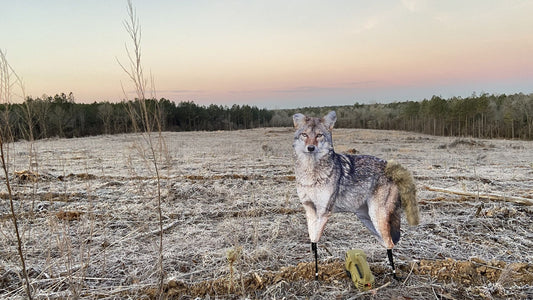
(315,225)
(316,220)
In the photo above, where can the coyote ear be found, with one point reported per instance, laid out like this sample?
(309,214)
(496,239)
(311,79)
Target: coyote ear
(329,120)
(298,120)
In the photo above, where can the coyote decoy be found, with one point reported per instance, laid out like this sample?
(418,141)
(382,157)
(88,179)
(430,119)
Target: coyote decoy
(372,188)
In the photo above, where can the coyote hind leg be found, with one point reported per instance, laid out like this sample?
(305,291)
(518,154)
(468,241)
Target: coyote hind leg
(391,261)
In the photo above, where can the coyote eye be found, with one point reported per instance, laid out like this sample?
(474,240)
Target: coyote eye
(304,135)
(319,135)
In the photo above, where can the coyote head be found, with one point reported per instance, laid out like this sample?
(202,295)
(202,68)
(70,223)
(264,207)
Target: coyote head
(313,135)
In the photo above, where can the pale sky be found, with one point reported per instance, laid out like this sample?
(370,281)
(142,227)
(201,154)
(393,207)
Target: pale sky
(275,53)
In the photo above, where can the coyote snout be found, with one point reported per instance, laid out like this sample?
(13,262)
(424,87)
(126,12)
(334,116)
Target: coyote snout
(327,182)
(311,142)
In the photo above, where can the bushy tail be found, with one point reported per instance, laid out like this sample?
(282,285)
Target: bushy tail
(403,179)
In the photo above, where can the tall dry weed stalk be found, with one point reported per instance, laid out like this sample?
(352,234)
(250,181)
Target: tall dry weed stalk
(233,255)
(7,86)
(144,119)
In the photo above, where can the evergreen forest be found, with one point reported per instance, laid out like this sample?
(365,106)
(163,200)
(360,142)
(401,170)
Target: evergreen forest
(483,116)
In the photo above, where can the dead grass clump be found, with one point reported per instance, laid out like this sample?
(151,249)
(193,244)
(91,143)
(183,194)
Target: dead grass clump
(82,176)
(471,143)
(516,273)
(69,215)
(475,271)
(501,212)
(9,280)
(291,178)
(267,149)
(237,176)
(233,256)
(5,217)
(26,176)
(5,196)
(59,197)
(352,151)
(254,281)
(463,274)
(195,177)
(218,177)
(29,176)
(282,131)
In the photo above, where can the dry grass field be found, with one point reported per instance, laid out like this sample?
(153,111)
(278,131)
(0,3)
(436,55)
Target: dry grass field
(234,227)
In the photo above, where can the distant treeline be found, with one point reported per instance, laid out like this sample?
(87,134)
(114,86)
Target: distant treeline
(60,116)
(484,116)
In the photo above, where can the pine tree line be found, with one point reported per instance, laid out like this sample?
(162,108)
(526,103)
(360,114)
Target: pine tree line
(61,116)
(483,116)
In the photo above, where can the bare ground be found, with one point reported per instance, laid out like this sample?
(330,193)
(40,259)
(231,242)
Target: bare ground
(234,227)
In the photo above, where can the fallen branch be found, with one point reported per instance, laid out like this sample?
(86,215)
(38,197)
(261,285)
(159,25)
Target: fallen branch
(494,197)
(372,291)
(158,231)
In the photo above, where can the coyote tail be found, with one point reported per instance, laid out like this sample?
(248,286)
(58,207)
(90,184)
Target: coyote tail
(403,179)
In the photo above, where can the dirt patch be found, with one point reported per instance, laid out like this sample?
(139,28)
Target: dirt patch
(463,273)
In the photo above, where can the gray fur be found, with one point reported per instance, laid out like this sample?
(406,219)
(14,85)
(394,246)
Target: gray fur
(329,182)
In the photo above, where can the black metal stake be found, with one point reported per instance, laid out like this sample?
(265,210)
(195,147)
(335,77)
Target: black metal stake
(314,248)
(391,261)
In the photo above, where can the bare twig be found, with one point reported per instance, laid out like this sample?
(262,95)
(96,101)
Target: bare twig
(147,119)
(158,231)
(410,272)
(6,71)
(513,199)
(372,291)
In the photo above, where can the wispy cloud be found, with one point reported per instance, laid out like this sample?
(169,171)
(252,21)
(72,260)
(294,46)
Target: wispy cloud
(313,88)
(181,91)
(302,89)
(415,5)
(333,87)
(442,17)
(370,23)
